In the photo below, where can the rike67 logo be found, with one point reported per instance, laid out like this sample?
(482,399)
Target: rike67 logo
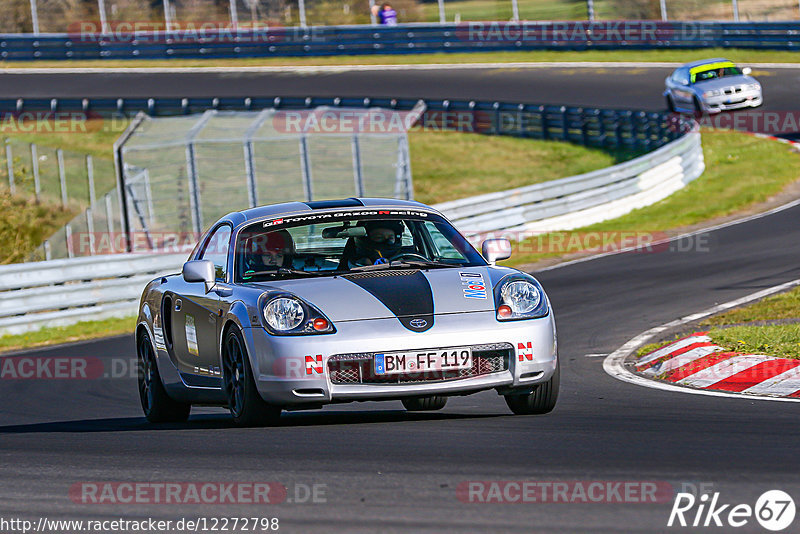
(774,510)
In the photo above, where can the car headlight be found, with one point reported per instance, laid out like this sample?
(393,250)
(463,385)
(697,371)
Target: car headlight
(714,92)
(754,87)
(286,315)
(520,298)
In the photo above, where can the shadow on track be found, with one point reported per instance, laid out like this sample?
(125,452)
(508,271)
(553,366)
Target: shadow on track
(223,421)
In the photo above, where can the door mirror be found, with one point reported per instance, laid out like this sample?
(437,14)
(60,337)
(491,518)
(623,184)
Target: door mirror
(200,271)
(496,249)
(746,71)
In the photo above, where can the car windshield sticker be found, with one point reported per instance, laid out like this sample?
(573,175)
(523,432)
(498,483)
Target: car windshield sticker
(694,71)
(315,217)
(473,286)
(191,336)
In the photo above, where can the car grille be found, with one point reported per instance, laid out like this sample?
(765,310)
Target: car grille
(358,368)
(733,90)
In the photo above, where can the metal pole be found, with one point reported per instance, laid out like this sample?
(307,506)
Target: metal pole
(62,177)
(90,177)
(372,18)
(664,10)
(249,167)
(109,216)
(48,253)
(34,17)
(514,11)
(101,7)
(90,229)
(35,164)
(68,237)
(119,168)
(10,166)
(234,14)
(441,12)
(167,15)
(148,195)
(194,194)
(358,174)
(735,11)
(590,9)
(301,4)
(305,168)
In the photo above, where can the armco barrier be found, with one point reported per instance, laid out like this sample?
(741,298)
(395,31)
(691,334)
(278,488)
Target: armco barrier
(61,292)
(402,39)
(585,199)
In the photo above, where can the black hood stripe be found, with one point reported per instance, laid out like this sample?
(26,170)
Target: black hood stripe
(407,294)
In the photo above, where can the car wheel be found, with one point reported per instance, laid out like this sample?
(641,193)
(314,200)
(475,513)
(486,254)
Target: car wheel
(424,404)
(670,104)
(157,406)
(541,400)
(246,405)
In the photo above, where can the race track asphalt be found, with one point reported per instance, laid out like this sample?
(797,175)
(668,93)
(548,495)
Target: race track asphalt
(385,470)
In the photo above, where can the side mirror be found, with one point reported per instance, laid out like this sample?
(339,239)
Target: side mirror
(200,271)
(746,71)
(496,249)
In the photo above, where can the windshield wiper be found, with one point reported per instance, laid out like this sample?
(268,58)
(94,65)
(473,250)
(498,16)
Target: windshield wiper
(415,264)
(281,271)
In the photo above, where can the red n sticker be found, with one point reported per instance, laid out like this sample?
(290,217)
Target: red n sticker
(525,351)
(314,364)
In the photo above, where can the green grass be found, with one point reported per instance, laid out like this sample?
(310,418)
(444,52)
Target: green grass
(638,56)
(741,170)
(67,334)
(775,307)
(451,165)
(24,225)
(781,340)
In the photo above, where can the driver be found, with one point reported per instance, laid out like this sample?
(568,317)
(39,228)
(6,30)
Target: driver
(270,251)
(382,243)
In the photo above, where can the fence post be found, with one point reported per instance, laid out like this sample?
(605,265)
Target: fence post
(68,237)
(48,253)
(148,195)
(305,168)
(358,175)
(234,15)
(109,215)
(35,17)
(167,15)
(590,10)
(372,19)
(194,195)
(62,177)
(301,4)
(514,11)
(735,11)
(90,178)
(10,166)
(90,229)
(442,18)
(101,7)
(35,166)
(664,10)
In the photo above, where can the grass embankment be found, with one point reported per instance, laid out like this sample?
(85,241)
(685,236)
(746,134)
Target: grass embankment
(770,326)
(741,170)
(637,56)
(67,334)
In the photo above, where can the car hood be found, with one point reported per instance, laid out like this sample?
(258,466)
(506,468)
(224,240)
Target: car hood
(722,83)
(395,293)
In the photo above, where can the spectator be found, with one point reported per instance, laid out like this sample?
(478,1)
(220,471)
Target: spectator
(387,16)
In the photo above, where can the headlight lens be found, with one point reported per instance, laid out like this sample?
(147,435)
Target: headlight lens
(715,92)
(284,314)
(520,299)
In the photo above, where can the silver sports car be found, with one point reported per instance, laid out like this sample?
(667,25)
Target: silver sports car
(297,305)
(711,86)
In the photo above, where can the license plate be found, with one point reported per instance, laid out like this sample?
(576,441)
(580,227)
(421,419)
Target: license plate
(451,359)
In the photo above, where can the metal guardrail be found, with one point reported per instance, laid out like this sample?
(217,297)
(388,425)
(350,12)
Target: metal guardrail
(584,199)
(61,292)
(402,39)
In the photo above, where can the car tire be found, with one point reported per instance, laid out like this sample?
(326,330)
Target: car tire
(157,405)
(540,401)
(246,405)
(425,404)
(670,104)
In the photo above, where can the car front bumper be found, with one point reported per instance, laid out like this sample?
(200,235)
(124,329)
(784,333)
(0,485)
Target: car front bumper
(294,370)
(744,99)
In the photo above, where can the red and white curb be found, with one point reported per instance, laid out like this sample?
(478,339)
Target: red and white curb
(776,388)
(695,361)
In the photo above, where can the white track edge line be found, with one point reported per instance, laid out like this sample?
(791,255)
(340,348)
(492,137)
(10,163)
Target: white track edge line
(614,362)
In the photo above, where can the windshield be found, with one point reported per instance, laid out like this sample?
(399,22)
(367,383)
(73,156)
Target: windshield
(712,72)
(337,243)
